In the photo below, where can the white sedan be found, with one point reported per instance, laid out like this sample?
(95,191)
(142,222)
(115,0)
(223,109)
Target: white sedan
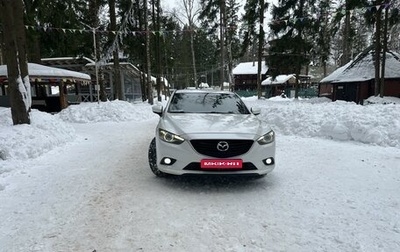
(210,132)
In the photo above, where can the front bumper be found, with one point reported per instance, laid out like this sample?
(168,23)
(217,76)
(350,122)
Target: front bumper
(186,160)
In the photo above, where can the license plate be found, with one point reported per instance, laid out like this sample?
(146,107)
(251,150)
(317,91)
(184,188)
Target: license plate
(221,164)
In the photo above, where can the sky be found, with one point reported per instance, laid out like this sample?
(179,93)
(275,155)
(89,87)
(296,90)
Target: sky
(79,181)
(169,5)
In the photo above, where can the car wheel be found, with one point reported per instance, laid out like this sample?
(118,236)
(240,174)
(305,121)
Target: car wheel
(153,159)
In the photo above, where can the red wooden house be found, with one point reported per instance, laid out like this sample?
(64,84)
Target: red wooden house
(355,81)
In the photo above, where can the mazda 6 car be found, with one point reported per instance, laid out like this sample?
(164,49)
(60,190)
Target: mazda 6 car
(210,132)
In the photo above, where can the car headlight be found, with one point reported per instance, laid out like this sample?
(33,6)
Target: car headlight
(170,137)
(267,138)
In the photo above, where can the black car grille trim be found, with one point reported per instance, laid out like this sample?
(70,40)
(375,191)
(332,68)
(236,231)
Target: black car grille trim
(209,147)
(247,166)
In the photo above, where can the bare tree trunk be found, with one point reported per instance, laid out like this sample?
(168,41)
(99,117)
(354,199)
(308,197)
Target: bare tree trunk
(346,56)
(1,47)
(148,63)
(299,52)
(377,50)
(385,39)
(118,91)
(156,21)
(260,47)
(22,52)
(193,55)
(143,76)
(222,41)
(230,61)
(14,31)
(160,84)
(230,57)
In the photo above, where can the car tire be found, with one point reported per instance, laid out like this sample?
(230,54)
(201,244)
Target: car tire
(153,159)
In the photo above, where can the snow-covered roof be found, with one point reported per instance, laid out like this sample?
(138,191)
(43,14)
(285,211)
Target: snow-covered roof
(88,60)
(362,68)
(129,67)
(37,71)
(249,68)
(203,85)
(280,79)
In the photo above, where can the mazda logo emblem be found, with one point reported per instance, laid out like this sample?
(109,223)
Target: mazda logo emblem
(222,146)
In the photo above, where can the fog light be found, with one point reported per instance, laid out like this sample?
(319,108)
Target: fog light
(168,161)
(268,161)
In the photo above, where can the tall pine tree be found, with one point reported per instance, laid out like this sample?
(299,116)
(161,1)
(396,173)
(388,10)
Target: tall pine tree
(289,52)
(321,51)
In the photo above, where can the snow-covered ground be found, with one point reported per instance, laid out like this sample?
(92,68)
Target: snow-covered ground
(79,181)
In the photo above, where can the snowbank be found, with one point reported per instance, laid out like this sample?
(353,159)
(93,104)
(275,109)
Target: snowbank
(377,124)
(29,141)
(116,111)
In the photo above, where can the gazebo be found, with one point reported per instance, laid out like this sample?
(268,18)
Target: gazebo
(53,89)
(130,77)
(279,84)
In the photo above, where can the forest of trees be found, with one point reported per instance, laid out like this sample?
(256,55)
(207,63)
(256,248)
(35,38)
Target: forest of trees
(199,40)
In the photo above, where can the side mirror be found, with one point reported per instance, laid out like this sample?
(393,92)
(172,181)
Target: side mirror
(157,109)
(256,111)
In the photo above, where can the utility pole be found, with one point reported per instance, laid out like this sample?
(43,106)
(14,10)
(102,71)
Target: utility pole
(96,67)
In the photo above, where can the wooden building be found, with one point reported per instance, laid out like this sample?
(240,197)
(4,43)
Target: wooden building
(53,89)
(245,75)
(355,81)
(281,84)
(130,77)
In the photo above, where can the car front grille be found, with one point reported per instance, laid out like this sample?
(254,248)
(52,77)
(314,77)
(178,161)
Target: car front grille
(210,147)
(247,166)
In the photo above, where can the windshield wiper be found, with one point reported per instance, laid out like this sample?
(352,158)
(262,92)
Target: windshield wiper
(221,112)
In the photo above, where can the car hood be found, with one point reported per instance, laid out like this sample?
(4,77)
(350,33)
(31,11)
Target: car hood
(192,124)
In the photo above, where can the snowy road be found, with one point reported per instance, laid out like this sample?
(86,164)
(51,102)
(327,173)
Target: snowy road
(98,193)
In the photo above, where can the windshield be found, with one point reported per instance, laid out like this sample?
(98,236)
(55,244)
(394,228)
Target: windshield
(222,103)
